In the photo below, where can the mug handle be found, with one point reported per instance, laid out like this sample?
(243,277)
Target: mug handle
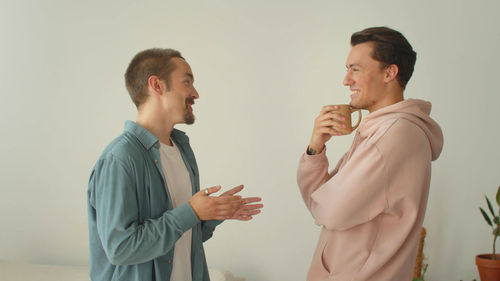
(359,117)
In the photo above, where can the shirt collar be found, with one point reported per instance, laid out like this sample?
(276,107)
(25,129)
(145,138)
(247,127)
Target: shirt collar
(179,136)
(145,137)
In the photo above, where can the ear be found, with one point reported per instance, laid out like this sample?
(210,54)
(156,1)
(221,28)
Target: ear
(156,86)
(391,72)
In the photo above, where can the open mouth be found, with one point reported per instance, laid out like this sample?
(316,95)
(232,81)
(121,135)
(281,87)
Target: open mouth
(354,93)
(189,104)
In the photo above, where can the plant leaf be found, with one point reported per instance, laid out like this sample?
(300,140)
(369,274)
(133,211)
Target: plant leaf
(486,218)
(489,206)
(498,196)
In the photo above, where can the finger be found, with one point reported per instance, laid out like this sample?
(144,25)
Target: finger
(338,117)
(228,207)
(338,125)
(241,218)
(227,199)
(211,190)
(334,132)
(326,123)
(251,200)
(251,213)
(328,108)
(233,190)
(252,207)
(244,217)
(226,213)
(329,115)
(328,131)
(248,212)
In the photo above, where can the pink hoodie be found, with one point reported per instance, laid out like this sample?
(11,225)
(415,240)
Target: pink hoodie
(372,205)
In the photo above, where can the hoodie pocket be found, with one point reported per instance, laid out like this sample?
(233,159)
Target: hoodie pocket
(324,259)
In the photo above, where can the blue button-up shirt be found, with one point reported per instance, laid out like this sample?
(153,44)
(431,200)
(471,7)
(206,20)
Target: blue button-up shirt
(132,225)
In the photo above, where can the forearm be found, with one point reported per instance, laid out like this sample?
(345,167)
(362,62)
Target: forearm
(355,195)
(312,172)
(135,243)
(126,231)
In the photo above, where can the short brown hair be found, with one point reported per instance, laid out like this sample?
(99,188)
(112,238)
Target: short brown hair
(390,47)
(145,64)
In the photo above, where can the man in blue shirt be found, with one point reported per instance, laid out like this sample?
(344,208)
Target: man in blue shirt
(148,218)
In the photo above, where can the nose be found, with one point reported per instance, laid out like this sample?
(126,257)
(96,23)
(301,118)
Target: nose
(195,94)
(348,79)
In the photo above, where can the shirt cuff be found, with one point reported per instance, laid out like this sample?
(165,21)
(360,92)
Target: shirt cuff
(212,223)
(186,216)
(315,156)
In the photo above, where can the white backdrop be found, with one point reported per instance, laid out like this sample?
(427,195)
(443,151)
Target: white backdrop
(263,70)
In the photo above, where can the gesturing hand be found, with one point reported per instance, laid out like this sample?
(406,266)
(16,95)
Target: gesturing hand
(246,211)
(208,207)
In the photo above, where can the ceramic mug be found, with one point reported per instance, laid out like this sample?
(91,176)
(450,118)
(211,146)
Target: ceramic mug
(346,110)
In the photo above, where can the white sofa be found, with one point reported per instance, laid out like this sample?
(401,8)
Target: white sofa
(15,271)
(10,271)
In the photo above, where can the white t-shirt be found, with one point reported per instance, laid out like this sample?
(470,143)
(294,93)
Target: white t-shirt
(180,190)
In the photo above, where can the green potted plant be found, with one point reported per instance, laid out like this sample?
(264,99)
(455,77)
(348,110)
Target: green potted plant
(488,265)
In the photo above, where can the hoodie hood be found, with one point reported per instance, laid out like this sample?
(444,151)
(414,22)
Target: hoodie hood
(416,111)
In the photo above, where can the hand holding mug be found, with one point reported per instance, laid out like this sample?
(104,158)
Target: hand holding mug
(333,120)
(346,110)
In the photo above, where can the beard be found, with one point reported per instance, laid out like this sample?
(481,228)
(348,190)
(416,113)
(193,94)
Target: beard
(188,115)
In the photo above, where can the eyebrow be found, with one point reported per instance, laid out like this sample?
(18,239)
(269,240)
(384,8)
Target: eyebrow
(190,75)
(351,65)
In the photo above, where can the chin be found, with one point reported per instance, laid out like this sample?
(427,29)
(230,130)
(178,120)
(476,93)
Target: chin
(189,119)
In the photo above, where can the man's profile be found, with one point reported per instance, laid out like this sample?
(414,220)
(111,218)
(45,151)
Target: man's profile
(372,204)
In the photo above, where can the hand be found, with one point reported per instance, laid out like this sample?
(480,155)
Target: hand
(324,127)
(246,211)
(208,207)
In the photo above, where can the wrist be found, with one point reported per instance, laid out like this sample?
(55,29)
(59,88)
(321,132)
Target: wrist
(312,150)
(190,202)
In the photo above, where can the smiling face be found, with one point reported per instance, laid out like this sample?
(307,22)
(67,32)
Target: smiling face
(181,93)
(365,78)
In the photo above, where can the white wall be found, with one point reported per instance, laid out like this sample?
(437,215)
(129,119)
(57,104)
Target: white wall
(263,70)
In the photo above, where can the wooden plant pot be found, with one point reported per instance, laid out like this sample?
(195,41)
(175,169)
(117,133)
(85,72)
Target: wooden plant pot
(489,269)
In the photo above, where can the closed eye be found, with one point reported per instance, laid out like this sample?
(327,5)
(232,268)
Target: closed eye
(353,67)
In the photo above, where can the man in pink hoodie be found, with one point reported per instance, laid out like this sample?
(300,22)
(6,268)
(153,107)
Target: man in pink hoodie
(372,204)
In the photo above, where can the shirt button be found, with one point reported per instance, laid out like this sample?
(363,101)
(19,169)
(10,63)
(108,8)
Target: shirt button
(156,161)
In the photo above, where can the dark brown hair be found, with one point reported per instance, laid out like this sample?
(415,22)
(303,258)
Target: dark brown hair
(390,47)
(145,64)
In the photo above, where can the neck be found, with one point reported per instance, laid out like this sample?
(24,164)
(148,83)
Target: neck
(157,126)
(392,96)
